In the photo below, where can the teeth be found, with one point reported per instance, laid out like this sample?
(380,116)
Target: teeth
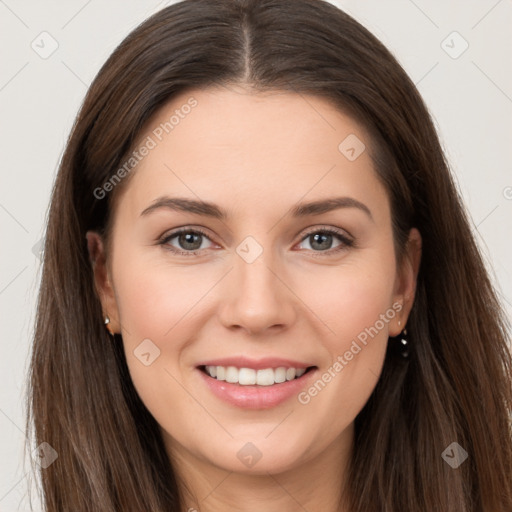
(249,376)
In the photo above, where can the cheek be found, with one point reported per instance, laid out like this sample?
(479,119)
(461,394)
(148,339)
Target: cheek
(155,299)
(156,303)
(355,302)
(351,297)
(160,302)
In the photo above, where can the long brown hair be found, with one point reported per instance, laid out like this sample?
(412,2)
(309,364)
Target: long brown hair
(456,385)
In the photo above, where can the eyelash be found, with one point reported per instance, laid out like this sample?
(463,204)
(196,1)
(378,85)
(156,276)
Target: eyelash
(345,241)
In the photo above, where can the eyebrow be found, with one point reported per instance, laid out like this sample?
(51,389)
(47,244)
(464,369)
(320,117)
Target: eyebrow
(208,209)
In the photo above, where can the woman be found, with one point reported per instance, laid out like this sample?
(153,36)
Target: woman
(260,289)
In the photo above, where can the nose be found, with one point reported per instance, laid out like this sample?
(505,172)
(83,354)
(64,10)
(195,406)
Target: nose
(257,297)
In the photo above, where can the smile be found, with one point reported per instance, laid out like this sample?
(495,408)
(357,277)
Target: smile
(252,376)
(251,384)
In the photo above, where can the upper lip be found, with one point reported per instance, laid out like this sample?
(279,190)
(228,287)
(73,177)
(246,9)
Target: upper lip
(257,364)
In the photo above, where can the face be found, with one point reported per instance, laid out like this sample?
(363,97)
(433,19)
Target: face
(259,279)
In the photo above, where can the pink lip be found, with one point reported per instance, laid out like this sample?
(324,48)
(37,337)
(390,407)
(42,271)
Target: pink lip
(259,364)
(257,397)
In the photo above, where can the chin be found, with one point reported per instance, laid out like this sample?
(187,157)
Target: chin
(257,457)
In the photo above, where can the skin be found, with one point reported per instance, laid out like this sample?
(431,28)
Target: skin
(255,155)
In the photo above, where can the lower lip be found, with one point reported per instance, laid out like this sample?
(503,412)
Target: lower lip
(256,397)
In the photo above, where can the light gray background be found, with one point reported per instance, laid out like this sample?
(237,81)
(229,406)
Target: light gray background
(470,98)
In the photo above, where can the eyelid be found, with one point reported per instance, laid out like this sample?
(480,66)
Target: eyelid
(329,229)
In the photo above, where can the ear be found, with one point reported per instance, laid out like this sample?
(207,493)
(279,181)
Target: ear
(405,286)
(102,279)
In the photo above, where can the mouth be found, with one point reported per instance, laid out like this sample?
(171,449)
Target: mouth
(255,383)
(270,384)
(255,377)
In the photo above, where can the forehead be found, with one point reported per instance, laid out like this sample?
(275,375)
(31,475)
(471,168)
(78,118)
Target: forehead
(245,149)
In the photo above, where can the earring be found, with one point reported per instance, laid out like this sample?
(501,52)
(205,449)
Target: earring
(400,343)
(109,329)
(404,344)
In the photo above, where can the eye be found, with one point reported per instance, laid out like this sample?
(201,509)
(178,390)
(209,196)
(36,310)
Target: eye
(190,240)
(322,240)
